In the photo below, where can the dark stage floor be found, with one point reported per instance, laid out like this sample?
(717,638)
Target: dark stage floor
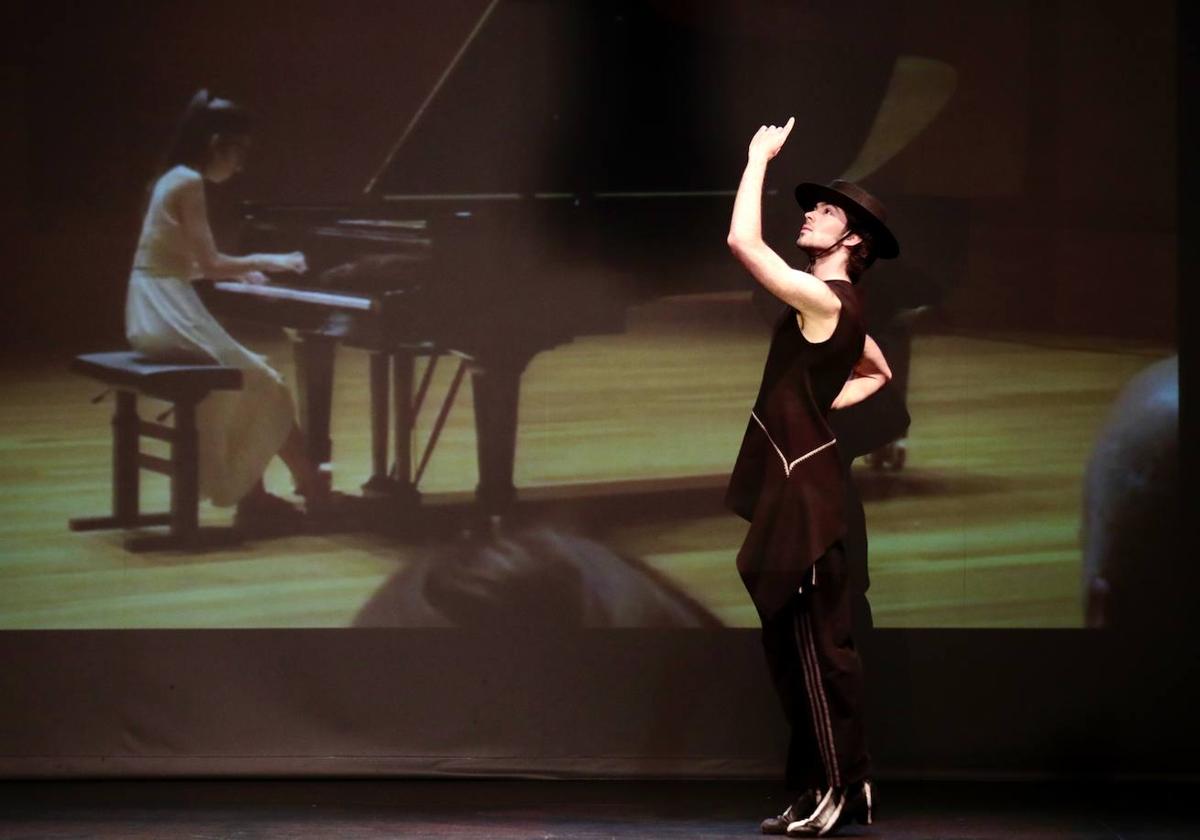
(356,810)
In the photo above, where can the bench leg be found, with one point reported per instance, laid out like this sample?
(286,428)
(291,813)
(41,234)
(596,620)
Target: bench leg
(185,479)
(126,477)
(184,518)
(125,459)
(107,523)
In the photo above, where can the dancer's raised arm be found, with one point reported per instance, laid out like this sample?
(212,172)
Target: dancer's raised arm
(801,290)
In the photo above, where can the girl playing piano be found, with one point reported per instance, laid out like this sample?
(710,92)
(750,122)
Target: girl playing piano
(240,431)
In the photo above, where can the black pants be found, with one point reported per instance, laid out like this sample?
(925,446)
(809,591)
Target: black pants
(818,676)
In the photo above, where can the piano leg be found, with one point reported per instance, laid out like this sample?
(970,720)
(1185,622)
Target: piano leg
(379,482)
(496,391)
(313,355)
(403,364)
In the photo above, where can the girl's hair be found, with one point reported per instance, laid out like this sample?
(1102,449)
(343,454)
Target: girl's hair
(204,118)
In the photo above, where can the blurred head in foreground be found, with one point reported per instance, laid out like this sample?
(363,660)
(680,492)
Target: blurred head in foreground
(540,578)
(1131,504)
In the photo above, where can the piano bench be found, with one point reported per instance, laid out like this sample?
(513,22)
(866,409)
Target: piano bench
(183,384)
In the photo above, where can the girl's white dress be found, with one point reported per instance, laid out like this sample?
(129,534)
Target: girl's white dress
(240,431)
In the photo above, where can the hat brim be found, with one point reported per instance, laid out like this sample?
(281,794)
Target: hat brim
(886,246)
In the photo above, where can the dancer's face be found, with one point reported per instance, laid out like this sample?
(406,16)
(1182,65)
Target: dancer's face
(822,227)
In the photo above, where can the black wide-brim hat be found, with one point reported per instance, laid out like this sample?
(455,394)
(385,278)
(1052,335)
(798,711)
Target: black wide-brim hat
(866,209)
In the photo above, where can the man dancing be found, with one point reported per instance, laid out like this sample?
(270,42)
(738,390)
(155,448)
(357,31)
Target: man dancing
(788,483)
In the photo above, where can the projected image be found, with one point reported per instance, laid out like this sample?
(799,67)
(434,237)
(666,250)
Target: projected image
(430,318)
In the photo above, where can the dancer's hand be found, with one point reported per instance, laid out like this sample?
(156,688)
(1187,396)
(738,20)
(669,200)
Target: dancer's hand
(255,278)
(769,139)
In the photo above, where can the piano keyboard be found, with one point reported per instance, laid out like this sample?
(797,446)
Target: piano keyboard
(332,300)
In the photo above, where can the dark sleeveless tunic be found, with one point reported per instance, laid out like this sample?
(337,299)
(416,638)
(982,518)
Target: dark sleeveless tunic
(787,481)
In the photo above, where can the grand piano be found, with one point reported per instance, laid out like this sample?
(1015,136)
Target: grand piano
(571,160)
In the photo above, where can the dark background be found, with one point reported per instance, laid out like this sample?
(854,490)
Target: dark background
(1056,154)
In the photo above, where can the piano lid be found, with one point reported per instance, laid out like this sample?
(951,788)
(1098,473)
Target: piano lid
(606,96)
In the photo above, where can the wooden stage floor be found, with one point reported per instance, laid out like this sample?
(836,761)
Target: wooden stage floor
(625,438)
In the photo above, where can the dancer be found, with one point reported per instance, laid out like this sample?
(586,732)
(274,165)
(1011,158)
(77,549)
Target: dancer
(788,482)
(239,431)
